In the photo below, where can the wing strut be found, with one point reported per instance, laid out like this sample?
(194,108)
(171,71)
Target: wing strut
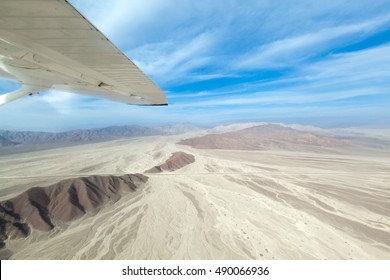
(23,91)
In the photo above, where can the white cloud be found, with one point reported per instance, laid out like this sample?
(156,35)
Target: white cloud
(341,76)
(372,64)
(170,39)
(288,51)
(169,61)
(63,102)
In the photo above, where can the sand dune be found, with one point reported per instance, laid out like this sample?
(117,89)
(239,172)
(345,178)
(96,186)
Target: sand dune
(323,203)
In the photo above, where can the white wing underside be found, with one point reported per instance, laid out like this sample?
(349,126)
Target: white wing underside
(48,44)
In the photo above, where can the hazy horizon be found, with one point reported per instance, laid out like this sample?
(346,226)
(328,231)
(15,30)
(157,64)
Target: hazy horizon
(200,126)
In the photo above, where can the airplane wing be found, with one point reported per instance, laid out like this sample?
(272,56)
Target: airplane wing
(48,44)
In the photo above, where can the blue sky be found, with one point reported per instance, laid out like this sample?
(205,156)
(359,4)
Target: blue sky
(324,63)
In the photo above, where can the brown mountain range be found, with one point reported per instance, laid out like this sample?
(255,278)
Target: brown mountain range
(4,142)
(77,136)
(8,137)
(264,137)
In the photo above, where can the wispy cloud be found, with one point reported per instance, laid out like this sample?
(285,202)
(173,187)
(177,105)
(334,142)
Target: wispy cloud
(290,51)
(339,77)
(370,65)
(168,61)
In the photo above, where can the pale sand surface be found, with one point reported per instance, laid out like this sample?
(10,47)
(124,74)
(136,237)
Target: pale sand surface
(329,204)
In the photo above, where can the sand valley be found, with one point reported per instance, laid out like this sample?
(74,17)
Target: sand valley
(224,197)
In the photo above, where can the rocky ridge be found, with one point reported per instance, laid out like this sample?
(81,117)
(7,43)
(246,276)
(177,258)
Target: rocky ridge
(42,208)
(176,161)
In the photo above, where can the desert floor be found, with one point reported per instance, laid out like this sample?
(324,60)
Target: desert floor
(314,204)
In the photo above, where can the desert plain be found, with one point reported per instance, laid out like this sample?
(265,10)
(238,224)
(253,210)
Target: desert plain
(290,200)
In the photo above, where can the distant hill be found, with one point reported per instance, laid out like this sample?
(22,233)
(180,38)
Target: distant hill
(5,142)
(178,128)
(8,138)
(264,137)
(84,135)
